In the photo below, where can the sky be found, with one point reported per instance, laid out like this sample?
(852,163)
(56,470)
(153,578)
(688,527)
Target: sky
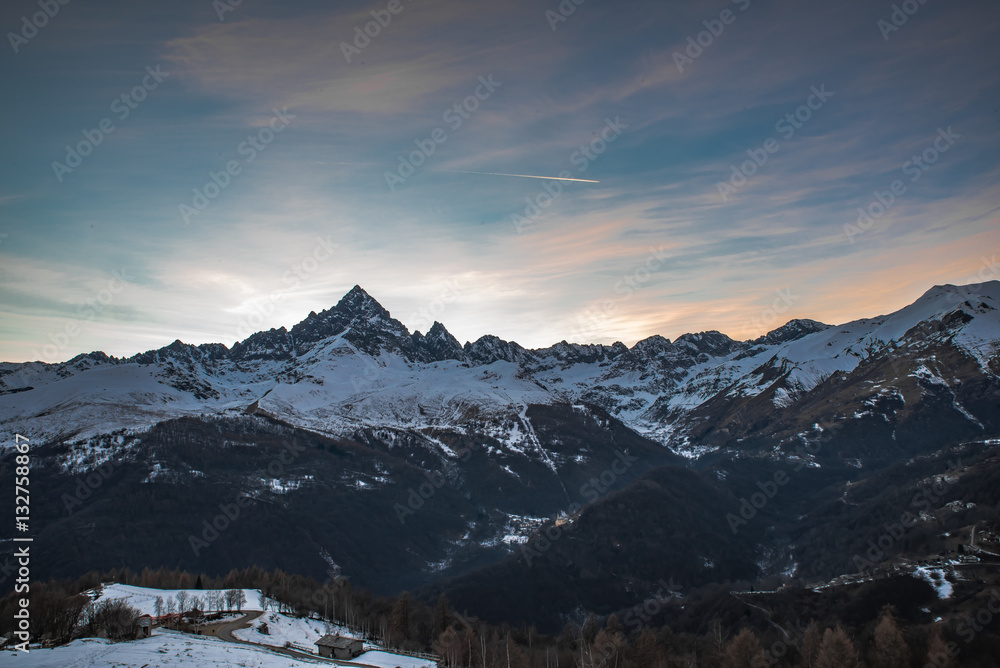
(201,170)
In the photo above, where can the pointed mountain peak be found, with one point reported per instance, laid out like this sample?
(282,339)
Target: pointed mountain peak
(790,331)
(652,344)
(489,348)
(712,342)
(438,331)
(359,318)
(440,344)
(949,295)
(358,301)
(357,292)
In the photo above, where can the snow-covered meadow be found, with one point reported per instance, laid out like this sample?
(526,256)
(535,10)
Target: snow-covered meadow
(173,648)
(143,599)
(162,650)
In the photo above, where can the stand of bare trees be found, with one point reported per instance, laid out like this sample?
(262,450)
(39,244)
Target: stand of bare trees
(113,619)
(882,640)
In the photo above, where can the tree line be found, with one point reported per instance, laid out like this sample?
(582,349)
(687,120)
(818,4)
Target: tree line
(61,613)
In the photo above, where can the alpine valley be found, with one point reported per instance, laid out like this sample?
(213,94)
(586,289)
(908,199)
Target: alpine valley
(537,486)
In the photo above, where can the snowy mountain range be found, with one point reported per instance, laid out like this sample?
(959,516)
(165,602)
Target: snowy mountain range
(409,461)
(353,368)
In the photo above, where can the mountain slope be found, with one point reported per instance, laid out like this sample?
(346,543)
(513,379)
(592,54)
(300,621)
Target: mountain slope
(461,453)
(354,366)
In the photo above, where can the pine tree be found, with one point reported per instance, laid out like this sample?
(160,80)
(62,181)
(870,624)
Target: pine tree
(811,641)
(937,650)
(613,625)
(590,629)
(399,619)
(889,649)
(647,650)
(836,651)
(441,614)
(605,649)
(744,651)
(449,646)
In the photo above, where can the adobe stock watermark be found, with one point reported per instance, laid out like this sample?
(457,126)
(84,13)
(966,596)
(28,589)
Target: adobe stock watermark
(967,628)
(921,502)
(122,106)
(769,316)
(230,512)
(298,273)
(372,29)
(419,496)
(581,158)
(424,318)
(636,617)
(779,648)
(768,489)
(594,318)
(787,125)
(566,9)
(223,7)
(86,485)
(219,181)
(915,167)
(899,17)
(696,44)
(989,270)
(455,116)
(88,310)
(372,370)
(590,491)
(31,25)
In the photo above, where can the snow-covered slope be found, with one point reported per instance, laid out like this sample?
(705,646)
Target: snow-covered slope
(162,650)
(167,649)
(276,629)
(354,367)
(143,599)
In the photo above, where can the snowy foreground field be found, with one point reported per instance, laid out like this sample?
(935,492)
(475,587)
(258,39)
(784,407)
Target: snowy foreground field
(173,648)
(143,599)
(163,649)
(283,628)
(166,649)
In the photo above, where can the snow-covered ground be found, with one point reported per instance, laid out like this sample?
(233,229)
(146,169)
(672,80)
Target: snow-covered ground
(167,649)
(337,389)
(162,650)
(389,660)
(936,578)
(144,598)
(283,628)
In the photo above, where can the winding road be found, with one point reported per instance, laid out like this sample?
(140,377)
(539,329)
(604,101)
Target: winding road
(224,631)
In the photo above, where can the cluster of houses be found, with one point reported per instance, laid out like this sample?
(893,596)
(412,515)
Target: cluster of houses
(147,622)
(329,646)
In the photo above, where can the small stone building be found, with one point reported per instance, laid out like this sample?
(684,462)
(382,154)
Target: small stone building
(338,647)
(144,626)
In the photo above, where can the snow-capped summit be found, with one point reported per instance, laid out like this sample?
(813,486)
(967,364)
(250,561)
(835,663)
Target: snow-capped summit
(354,366)
(793,329)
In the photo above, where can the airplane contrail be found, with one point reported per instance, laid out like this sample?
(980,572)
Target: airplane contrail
(521,176)
(459,171)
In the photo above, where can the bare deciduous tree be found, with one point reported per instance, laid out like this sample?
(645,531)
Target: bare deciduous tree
(116,619)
